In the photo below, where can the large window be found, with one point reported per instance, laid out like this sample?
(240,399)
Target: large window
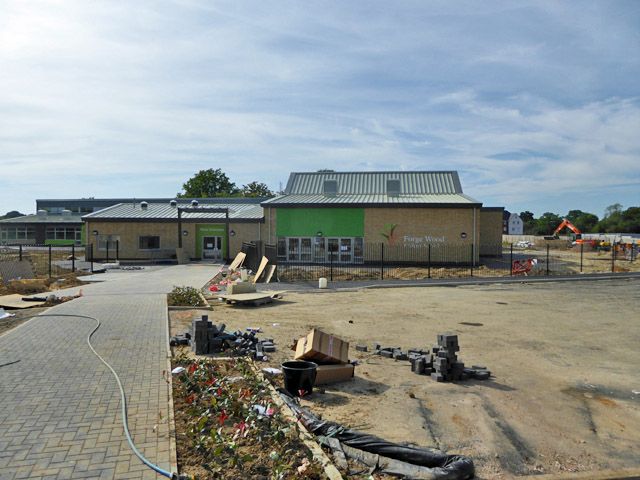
(10,233)
(149,242)
(64,233)
(320,249)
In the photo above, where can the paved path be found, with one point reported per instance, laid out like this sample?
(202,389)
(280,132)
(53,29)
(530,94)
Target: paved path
(60,407)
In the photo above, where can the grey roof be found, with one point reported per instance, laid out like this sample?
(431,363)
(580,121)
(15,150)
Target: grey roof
(367,183)
(50,218)
(375,199)
(440,188)
(164,211)
(108,202)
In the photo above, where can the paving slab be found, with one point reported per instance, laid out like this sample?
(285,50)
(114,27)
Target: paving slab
(60,408)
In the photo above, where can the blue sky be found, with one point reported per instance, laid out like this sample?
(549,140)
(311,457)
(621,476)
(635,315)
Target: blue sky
(536,104)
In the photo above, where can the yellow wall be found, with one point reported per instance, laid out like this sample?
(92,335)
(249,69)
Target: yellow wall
(490,232)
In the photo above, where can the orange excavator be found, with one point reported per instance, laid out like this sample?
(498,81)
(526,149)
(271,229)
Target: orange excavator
(567,224)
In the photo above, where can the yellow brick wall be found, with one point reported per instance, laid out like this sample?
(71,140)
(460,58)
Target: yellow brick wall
(421,226)
(130,232)
(490,232)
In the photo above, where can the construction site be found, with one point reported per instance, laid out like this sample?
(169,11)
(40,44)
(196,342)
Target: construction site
(478,377)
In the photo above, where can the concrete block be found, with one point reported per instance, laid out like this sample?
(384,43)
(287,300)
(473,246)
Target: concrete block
(437,377)
(361,348)
(386,353)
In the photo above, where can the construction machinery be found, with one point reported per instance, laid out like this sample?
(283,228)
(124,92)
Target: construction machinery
(567,224)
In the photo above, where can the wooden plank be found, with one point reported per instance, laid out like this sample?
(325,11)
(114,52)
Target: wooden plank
(239,260)
(15,301)
(250,297)
(263,264)
(270,272)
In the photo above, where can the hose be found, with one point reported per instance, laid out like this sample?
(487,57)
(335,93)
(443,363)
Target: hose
(123,402)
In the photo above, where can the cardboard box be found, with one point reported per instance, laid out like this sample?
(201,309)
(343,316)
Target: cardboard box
(321,347)
(326,374)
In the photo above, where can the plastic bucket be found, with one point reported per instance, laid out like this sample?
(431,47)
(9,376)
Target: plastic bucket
(299,377)
(322,282)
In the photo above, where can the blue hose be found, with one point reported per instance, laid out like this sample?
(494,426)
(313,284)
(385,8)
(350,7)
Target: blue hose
(125,423)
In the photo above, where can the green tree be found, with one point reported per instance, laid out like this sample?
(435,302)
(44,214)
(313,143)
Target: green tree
(614,209)
(256,189)
(528,223)
(209,183)
(586,222)
(631,220)
(547,223)
(12,214)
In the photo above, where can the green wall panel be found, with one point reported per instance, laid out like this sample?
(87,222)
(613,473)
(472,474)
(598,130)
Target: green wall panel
(59,242)
(213,230)
(332,222)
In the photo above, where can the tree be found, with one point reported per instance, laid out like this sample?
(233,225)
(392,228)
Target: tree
(12,214)
(586,222)
(209,183)
(528,222)
(256,189)
(612,210)
(547,223)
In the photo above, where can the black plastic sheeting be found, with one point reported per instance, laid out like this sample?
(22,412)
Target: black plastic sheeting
(444,466)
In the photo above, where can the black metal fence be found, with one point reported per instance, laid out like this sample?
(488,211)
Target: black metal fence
(383,262)
(51,260)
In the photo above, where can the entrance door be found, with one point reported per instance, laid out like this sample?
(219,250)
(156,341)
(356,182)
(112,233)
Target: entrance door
(212,247)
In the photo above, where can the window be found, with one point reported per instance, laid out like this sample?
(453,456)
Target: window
(63,233)
(330,188)
(321,249)
(393,188)
(149,242)
(9,233)
(109,242)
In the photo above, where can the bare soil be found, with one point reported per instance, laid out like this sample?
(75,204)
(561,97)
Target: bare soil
(20,316)
(565,390)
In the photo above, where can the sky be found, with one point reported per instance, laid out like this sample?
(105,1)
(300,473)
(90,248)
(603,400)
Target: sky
(535,104)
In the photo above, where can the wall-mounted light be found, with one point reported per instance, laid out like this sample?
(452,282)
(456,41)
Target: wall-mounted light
(318,234)
(463,235)
(232,233)
(95,232)
(185,233)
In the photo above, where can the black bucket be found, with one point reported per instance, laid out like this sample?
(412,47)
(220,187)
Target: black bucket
(299,377)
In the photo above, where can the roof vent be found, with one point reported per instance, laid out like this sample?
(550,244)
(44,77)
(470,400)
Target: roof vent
(393,187)
(42,213)
(173,203)
(330,188)
(144,205)
(194,203)
(66,213)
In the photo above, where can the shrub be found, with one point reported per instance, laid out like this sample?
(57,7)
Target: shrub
(185,296)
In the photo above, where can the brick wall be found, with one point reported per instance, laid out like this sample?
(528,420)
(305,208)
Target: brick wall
(490,232)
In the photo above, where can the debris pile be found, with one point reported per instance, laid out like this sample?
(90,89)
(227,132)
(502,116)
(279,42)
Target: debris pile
(329,352)
(441,362)
(210,338)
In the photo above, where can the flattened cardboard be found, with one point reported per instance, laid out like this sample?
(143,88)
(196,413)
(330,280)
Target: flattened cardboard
(327,374)
(322,347)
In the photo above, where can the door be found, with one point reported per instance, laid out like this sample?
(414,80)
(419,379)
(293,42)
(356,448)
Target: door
(212,247)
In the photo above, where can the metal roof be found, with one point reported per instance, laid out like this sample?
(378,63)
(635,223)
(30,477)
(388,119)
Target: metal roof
(50,218)
(164,211)
(368,183)
(107,202)
(374,199)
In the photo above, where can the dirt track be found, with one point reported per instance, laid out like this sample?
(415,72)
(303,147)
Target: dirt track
(564,358)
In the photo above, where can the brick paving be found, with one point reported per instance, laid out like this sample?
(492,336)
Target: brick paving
(60,406)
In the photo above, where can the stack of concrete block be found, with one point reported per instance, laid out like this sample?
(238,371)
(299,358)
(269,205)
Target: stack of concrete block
(209,338)
(446,366)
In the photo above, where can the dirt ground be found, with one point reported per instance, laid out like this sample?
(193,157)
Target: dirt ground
(20,316)
(565,390)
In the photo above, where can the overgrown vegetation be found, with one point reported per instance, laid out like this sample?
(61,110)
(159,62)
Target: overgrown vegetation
(227,425)
(185,296)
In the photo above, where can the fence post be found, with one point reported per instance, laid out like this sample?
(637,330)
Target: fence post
(472,259)
(547,259)
(382,261)
(73,257)
(107,261)
(429,260)
(511,261)
(20,249)
(330,265)
(49,260)
(118,250)
(91,253)
(581,254)
(613,257)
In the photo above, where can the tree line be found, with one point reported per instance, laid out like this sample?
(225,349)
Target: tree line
(615,220)
(215,183)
